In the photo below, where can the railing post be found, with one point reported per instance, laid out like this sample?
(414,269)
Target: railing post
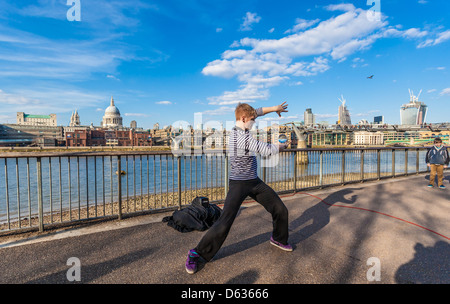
(406,161)
(321,168)
(179,180)
(393,162)
(7,194)
(40,201)
(295,171)
(378,164)
(87,187)
(226,174)
(264,174)
(362,165)
(343,168)
(417,161)
(119,185)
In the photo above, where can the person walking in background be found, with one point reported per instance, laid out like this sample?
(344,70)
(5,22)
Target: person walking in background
(437,159)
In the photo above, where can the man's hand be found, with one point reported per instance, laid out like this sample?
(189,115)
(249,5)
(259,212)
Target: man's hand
(281,108)
(428,165)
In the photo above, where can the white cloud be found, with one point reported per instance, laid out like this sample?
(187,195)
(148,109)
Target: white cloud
(102,15)
(249,20)
(14,99)
(327,36)
(326,115)
(301,24)
(219,111)
(425,38)
(25,54)
(112,77)
(307,49)
(263,63)
(247,93)
(366,114)
(36,56)
(47,100)
(414,33)
(164,102)
(340,7)
(277,118)
(136,114)
(445,91)
(440,38)
(358,62)
(444,36)
(235,44)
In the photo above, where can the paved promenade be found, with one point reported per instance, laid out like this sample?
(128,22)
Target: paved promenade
(339,235)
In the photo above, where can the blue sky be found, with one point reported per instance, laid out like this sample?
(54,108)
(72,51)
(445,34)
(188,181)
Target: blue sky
(164,60)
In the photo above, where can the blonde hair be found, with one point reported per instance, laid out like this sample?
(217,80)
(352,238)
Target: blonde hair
(243,109)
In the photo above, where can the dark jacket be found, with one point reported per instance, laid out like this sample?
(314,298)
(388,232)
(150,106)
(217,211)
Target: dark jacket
(199,215)
(437,156)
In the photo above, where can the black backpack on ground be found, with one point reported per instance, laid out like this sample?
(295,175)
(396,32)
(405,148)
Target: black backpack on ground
(199,215)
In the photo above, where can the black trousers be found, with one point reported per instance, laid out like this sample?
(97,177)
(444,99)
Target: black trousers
(238,191)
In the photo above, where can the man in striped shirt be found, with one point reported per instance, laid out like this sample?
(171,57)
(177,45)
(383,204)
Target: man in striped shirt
(244,181)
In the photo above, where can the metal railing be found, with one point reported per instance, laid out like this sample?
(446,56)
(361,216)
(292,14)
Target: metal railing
(39,190)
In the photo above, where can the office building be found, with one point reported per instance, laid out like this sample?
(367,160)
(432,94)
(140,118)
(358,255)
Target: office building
(414,112)
(309,118)
(343,113)
(368,138)
(36,120)
(378,120)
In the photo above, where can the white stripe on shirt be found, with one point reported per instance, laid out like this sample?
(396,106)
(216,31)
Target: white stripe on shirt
(242,150)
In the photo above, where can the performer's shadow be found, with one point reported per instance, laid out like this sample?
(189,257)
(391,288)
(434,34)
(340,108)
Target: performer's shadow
(318,216)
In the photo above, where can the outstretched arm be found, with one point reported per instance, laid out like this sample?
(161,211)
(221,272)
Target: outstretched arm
(279,109)
(247,142)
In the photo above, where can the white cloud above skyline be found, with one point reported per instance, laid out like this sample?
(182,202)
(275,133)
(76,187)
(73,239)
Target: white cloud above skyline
(273,61)
(445,91)
(249,20)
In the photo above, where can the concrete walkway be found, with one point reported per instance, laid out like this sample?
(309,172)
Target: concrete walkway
(332,243)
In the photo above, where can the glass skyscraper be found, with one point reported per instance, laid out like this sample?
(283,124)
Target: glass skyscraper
(414,112)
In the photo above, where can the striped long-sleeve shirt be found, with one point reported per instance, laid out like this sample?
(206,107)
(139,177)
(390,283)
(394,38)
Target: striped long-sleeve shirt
(242,150)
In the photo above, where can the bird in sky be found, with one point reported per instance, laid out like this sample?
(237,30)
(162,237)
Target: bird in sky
(370,77)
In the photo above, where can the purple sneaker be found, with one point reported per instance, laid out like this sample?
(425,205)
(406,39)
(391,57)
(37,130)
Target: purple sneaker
(192,261)
(286,247)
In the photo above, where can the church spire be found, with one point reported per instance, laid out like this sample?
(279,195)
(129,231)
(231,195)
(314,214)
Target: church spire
(112,102)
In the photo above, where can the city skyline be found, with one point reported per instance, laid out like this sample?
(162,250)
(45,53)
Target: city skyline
(164,61)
